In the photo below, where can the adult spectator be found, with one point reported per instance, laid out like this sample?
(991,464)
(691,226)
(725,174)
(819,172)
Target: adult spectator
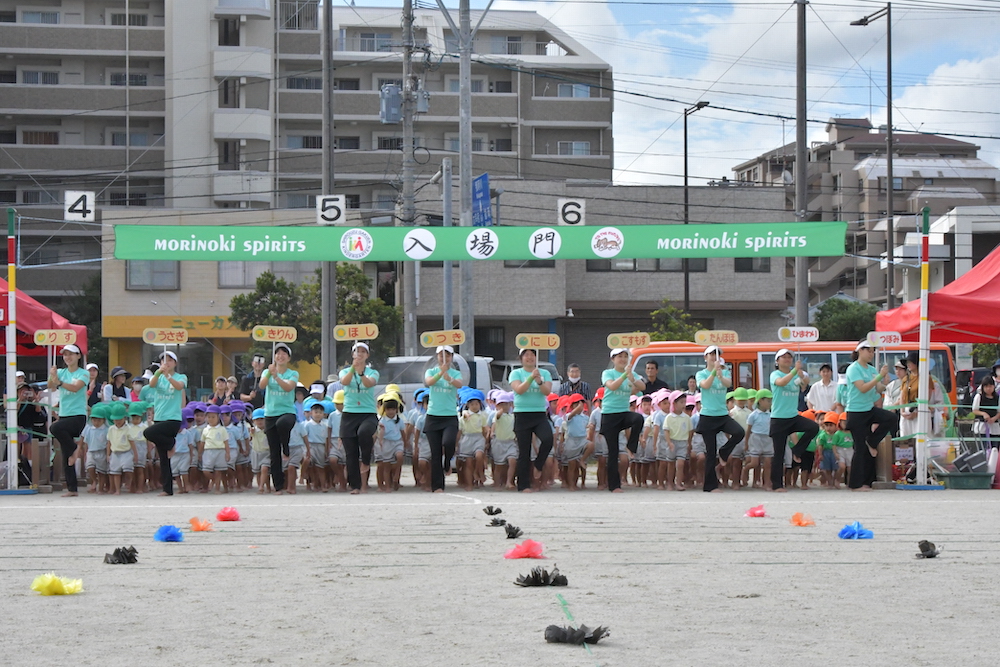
(116,389)
(94,385)
(221,395)
(333,385)
(71,383)
(653,381)
(692,388)
(250,391)
(575,384)
(823,394)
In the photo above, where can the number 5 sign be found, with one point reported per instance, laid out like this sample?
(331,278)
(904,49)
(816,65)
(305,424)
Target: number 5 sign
(572,212)
(79,206)
(330,210)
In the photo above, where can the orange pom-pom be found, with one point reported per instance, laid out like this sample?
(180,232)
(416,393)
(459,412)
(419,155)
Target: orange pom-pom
(228,514)
(198,526)
(800,519)
(526,549)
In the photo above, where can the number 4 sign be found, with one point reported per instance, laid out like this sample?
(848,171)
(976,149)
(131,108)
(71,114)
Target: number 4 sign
(79,206)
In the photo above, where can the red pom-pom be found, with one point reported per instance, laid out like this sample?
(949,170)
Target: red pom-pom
(756,512)
(228,514)
(526,549)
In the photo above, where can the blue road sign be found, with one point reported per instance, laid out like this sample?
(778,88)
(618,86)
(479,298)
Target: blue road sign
(482,211)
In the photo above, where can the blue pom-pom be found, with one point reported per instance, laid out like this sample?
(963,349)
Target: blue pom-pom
(168,534)
(855,531)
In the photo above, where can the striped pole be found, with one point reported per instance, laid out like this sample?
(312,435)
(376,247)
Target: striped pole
(923,395)
(11,341)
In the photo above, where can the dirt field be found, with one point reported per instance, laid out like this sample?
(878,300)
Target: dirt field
(415,579)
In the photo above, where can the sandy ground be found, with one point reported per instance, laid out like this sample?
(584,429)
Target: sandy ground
(414,579)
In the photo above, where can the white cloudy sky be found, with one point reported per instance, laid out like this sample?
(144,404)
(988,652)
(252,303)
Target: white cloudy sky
(946,74)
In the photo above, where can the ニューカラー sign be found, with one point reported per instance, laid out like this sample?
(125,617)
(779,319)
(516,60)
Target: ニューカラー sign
(394,244)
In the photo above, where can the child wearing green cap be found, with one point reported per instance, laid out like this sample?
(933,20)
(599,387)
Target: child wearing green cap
(136,425)
(760,449)
(93,441)
(119,449)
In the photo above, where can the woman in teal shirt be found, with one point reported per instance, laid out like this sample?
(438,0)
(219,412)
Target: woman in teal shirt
(167,387)
(279,383)
(620,383)
(864,388)
(441,423)
(531,386)
(715,380)
(359,420)
(786,383)
(71,382)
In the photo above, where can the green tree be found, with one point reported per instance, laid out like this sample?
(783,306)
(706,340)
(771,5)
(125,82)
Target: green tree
(672,323)
(85,309)
(842,319)
(278,302)
(984,354)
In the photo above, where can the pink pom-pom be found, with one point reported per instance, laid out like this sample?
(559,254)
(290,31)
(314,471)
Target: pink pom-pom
(756,512)
(228,514)
(526,549)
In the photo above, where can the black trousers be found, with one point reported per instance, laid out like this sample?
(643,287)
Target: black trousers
(66,430)
(710,427)
(527,424)
(780,430)
(611,426)
(357,432)
(442,434)
(164,435)
(278,431)
(860,424)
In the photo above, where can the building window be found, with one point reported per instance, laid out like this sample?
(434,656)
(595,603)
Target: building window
(241,275)
(928,181)
(295,141)
(136,139)
(137,20)
(48,18)
(131,199)
(506,44)
(229,32)
(8,196)
(385,201)
(304,83)
(38,138)
(503,87)
(529,264)
(152,275)
(353,201)
(502,145)
(8,136)
(453,143)
(347,143)
(8,76)
(676,264)
(386,81)
(39,197)
(347,84)
(752,265)
(299,14)
(134,79)
(44,78)
(897,183)
(665,264)
(376,41)
(489,343)
(477,85)
(8,17)
(574,148)
(229,156)
(574,90)
(390,143)
(229,94)
(300,201)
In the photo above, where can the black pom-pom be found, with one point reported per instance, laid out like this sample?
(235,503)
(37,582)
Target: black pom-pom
(122,556)
(927,549)
(541,577)
(555,634)
(495,522)
(513,532)
(492,511)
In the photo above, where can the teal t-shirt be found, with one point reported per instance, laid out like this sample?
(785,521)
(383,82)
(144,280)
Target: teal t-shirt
(858,401)
(842,395)
(167,400)
(443,401)
(358,398)
(713,399)
(785,403)
(616,401)
(532,400)
(73,403)
(277,401)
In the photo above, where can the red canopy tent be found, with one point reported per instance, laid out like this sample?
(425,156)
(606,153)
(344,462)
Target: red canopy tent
(966,310)
(32,316)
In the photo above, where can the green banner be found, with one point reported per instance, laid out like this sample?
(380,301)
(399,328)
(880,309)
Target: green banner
(392,244)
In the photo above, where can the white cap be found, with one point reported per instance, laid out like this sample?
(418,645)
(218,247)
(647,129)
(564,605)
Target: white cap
(710,349)
(283,346)
(71,348)
(94,366)
(317,388)
(445,348)
(618,350)
(521,351)
(19,374)
(359,344)
(782,352)
(168,353)
(863,344)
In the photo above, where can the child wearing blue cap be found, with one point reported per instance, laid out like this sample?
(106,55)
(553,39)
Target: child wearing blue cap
(214,449)
(318,438)
(473,431)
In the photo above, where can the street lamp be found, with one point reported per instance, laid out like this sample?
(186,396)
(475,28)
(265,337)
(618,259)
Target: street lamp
(889,181)
(684,262)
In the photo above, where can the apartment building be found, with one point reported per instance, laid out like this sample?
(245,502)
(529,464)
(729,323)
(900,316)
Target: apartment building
(848,177)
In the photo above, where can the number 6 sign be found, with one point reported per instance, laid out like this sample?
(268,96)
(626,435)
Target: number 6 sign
(572,212)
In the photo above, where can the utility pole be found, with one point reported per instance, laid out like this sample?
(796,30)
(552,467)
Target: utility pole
(409,212)
(449,317)
(687,274)
(801,167)
(328,278)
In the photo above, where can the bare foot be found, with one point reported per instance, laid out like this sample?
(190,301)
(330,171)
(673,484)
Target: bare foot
(70,494)
(260,490)
(164,493)
(781,490)
(716,491)
(618,490)
(354,492)
(438,490)
(527,491)
(872,451)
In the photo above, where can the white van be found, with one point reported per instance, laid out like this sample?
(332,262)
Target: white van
(408,373)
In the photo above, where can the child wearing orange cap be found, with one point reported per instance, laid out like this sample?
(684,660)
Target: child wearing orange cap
(827,441)
(844,451)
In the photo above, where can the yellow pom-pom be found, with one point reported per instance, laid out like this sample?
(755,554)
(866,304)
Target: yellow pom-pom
(50,584)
